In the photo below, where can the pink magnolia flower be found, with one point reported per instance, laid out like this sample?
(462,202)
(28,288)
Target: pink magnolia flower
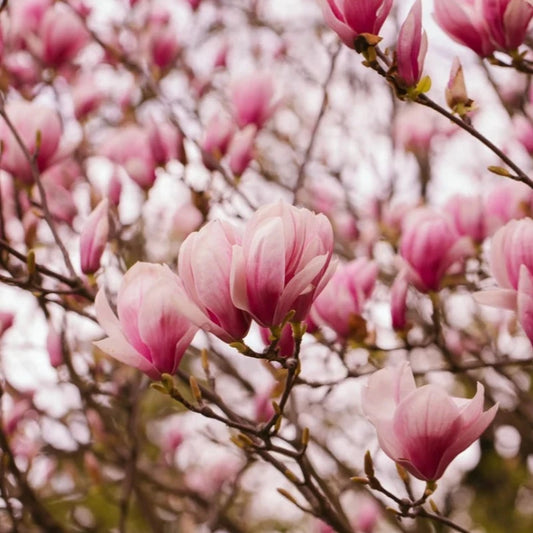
(186,219)
(468,216)
(350,18)
(412,47)
(204,265)
(29,118)
(150,333)
(507,201)
(251,98)
(93,238)
(62,34)
(511,264)
(130,148)
(507,21)
(343,298)
(218,134)
(6,321)
(464,22)
(60,201)
(241,149)
(114,187)
(425,428)
(430,245)
(398,294)
(164,46)
(283,263)
(523,130)
(166,142)
(54,346)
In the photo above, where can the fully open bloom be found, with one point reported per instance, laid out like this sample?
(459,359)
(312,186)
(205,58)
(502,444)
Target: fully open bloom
(283,263)
(350,18)
(151,333)
(425,428)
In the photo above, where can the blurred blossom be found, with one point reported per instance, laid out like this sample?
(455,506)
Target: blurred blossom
(263,408)
(31,120)
(251,98)
(398,295)
(283,263)
(468,215)
(54,346)
(341,302)
(241,149)
(164,46)
(114,189)
(130,147)
(166,142)
(368,515)
(430,245)
(85,96)
(422,429)
(506,201)
(186,219)
(218,134)
(62,34)
(60,201)
(7,318)
(151,333)
(523,130)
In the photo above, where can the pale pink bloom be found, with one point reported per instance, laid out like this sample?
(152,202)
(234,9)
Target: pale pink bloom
(130,148)
(430,245)
(283,264)
(54,346)
(204,265)
(464,22)
(28,118)
(423,429)
(221,58)
(6,321)
(85,97)
(416,128)
(507,21)
(350,18)
(164,46)
(398,295)
(114,188)
(60,201)
(368,515)
(66,173)
(25,18)
(251,98)
(151,333)
(523,130)
(217,137)
(93,238)
(19,410)
(511,264)
(241,149)
(172,439)
(186,219)
(263,408)
(506,201)
(468,215)
(62,34)
(285,343)
(343,298)
(166,142)
(411,47)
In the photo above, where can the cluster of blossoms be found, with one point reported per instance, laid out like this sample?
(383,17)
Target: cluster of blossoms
(271,272)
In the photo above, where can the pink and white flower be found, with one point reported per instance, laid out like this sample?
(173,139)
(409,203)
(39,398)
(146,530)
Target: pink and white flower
(423,429)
